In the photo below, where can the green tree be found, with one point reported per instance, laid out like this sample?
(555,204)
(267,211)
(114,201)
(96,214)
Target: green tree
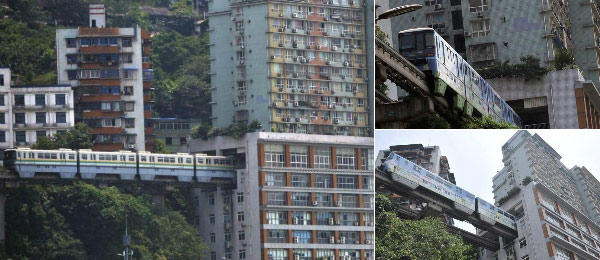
(81,221)
(400,239)
(563,60)
(430,121)
(185,18)
(76,138)
(160,147)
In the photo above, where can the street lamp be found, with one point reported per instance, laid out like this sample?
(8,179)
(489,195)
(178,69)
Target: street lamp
(400,10)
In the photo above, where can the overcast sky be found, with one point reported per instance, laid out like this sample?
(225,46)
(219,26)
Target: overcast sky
(475,156)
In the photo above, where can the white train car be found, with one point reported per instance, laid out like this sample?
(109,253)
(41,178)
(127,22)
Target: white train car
(122,163)
(494,215)
(180,165)
(208,167)
(26,162)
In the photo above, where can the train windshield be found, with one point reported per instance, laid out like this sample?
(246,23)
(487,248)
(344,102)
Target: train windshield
(417,41)
(10,155)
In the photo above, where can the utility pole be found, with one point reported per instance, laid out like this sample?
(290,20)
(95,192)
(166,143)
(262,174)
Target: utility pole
(127,253)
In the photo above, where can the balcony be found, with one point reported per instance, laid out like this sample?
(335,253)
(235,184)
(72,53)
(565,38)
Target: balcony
(88,31)
(98,49)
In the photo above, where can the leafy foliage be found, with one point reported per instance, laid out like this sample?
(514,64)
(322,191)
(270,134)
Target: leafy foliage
(526,181)
(512,192)
(160,147)
(81,221)
(487,122)
(564,60)
(422,239)
(236,130)
(529,68)
(76,138)
(430,121)
(381,35)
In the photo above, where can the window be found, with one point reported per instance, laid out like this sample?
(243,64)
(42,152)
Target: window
(367,159)
(211,200)
(522,243)
(478,6)
(322,157)
(241,235)
(367,183)
(126,42)
(71,59)
(347,182)
(274,155)
(19,100)
(40,117)
(326,253)
(277,254)
(168,140)
(303,254)
(324,218)
(240,197)
(19,118)
(213,255)
(211,218)
(301,218)
(127,58)
(302,237)
(2,137)
(345,158)
(277,217)
(300,198)
(276,198)
(71,43)
(300,180)
(20,136)
(480,28)
(129,122)
(275,179)
(240,216)
(212,237)
(129,106)
(242,254)
(129,74)
(298,156)
(182,140)
(2,118)
(277,236)
(324,199)
(61,117)
(348,200)
(60,99)
(483,52)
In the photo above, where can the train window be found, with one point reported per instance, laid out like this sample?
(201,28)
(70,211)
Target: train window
(93,156)
(172,160)
(200,160)
(207,161)
(71,157)
(188,160)
(84,156)
(53,156)
(151,158)
(407,42)
(143,158)
(114,158)
(429,40)
(131,158)
(179,160)
(123,158)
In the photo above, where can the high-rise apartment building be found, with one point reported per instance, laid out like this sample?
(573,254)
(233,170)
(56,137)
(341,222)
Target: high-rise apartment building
(556,207)
(294,66)
(111,73)
(297,196)
(489,31)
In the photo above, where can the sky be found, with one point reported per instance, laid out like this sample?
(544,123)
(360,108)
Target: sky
(475,156)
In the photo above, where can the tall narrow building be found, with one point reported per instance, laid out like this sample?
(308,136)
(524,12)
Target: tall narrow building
(556,207)
(297,196)
(110,70)
(294,66)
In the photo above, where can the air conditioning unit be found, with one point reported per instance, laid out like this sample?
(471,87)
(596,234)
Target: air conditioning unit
(294,30)
(274,104)
(315,203)
(331,240)
(346,63)
(228,244)
(280,14)
(343,35)
(320,92)
(330,221)
(294,15)
(356,223)
(318,47)
(278,74)
(303,60)
(343,240)
(280,89)
(297,104)
(467,34)
(338,203)
(479,14)
(369,241)
(437,6)
(297,257)
(343,76)
(272,57)
(334,48)
(331,106)
(296,239)
(295,75)
(328,62)
(233,18)
(336,121)
(297,119)
(281,29)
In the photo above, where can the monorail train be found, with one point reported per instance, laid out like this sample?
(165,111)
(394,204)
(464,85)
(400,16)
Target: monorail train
(126,164)
(428,51)
(403,169)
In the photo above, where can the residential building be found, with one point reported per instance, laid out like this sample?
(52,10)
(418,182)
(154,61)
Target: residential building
(296,67)
(111,73)
(558,100)
(556,208)
(37,111)
(175,132)
(28,112)
(489,31)
(298,196)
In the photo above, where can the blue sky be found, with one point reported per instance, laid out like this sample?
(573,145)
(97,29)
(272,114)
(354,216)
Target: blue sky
(475,156)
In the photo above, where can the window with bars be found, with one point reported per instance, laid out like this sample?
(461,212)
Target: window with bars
(274,155)
(277,217)
(347,182)
(323,181)
(322,157)
(275,179)
(276,198)
(298,156)
(345,158)
(277,236)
